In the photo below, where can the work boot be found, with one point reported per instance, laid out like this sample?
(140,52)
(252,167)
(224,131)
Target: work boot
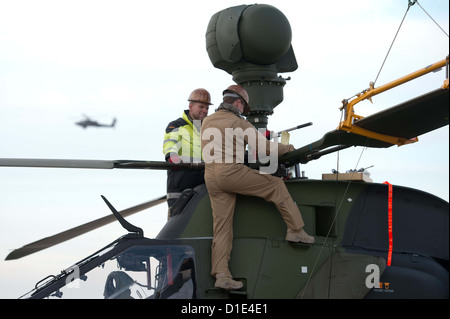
(299,236)
(227,283)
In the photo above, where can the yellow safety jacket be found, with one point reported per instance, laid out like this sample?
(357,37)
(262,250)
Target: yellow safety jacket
(182,137)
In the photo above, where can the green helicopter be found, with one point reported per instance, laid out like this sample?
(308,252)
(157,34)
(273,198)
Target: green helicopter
(363,248)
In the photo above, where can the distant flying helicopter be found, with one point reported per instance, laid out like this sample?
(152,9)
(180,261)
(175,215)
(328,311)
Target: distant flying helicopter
(88,122)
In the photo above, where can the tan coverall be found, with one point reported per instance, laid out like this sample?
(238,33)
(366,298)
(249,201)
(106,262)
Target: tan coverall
(225,180)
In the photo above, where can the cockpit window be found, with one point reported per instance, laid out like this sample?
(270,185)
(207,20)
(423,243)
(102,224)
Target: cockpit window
(140,272)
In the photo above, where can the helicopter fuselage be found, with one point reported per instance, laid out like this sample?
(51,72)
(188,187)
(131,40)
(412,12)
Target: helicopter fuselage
(348,260)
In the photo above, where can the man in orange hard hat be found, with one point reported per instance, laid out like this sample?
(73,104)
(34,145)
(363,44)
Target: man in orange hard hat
(182,144)
(226,175)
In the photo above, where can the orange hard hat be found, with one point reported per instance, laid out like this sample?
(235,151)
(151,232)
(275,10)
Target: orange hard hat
(241,92)
(200,95)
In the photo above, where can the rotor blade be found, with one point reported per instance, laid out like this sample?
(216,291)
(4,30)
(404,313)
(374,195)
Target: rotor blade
(79,230)
(97,164)
(157,165)
(56,163)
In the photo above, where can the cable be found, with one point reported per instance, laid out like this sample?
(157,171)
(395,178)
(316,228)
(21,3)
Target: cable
(410,4)
(432,19)
(332,223)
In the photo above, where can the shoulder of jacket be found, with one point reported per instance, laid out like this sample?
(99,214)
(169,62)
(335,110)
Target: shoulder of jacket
(175,124)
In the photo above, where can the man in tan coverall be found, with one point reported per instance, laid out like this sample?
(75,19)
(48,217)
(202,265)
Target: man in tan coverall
(225,178)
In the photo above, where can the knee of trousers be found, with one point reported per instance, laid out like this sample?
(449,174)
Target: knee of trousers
(291,214)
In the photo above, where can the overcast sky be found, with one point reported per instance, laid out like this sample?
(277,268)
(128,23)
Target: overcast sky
(138,61)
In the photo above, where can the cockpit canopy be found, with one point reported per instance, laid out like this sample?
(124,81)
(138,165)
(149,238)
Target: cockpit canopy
(145,269)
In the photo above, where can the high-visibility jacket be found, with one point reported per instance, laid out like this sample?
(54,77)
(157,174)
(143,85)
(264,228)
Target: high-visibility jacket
(182,137)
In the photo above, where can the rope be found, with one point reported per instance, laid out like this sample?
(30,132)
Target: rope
(432,19)
(331,226)
(410,4)
(333,222)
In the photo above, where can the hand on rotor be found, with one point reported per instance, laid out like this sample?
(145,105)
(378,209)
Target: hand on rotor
(174,158)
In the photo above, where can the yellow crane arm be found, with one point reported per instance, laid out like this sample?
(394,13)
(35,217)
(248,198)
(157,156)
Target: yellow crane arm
(350,117)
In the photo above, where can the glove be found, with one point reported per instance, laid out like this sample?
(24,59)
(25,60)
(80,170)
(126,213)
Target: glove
(174,158)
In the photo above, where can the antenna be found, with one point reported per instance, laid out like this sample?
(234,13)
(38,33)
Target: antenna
(131,228)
